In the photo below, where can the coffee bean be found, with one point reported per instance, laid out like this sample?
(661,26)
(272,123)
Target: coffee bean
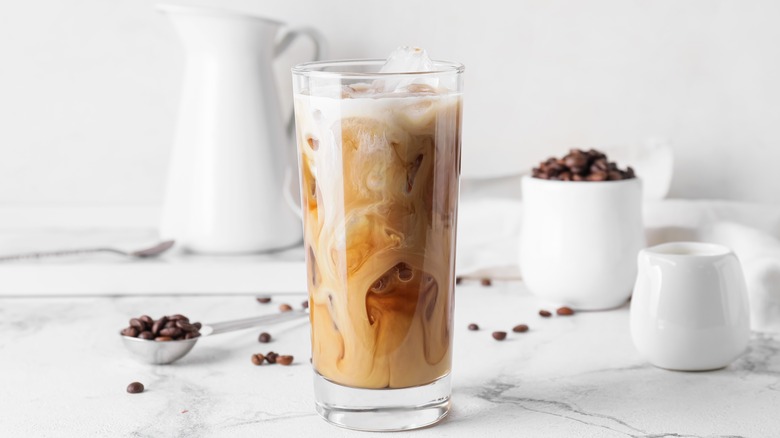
(137,323)
(264,338)
(520,328)
(285,308)
(173,332)
(579,165)
(187,327)
(458,280)
(264,300)
(486,282)
(258,359)
(284,360)
(305,304)
(545,314)
(178,317)
(130,331)
(499,336)
(147,320)
(271,357)
(197,325)
(135,388)
(167,328)
(159,325)
(565,311)
(473,327)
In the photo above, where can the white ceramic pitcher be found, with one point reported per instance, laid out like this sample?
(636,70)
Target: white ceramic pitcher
(226,181)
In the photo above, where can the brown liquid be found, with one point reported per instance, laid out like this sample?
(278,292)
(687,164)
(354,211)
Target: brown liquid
(380,188)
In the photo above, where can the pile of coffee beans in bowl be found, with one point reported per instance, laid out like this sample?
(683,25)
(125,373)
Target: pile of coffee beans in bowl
(168,328)
(580,165)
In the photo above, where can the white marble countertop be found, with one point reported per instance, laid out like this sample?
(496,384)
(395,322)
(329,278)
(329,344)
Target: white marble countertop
(63,373)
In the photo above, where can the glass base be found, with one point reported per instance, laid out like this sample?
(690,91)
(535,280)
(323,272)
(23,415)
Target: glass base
(382,409)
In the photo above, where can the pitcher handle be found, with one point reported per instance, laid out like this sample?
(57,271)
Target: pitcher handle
(320,47)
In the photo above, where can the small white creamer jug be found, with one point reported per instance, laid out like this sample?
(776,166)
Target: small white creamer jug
(226,183)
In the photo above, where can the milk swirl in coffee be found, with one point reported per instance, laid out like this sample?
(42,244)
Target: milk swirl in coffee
(379,171)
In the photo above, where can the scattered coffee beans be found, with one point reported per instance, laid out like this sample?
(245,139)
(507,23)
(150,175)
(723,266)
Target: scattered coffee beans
(486,282)
(565,311)
(545,314)
(264,300)
(135,388)
(520,328)
(473,327)
(167,328)
(271,357)
(284,360)
(258,359)
(285,308)
(581,165)
(305,304)
(264,338)
(499,336)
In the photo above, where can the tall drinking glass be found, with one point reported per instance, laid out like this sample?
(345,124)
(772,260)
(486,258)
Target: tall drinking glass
(379,157)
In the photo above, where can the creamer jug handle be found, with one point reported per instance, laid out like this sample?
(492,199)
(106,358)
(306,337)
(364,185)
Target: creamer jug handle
(320,47)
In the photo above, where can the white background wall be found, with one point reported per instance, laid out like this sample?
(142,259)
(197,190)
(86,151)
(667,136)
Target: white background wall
(89,88)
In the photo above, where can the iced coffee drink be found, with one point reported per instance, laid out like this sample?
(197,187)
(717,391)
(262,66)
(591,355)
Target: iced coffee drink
(379,163)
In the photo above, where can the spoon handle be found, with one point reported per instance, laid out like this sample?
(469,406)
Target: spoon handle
(240,324)
(38,255)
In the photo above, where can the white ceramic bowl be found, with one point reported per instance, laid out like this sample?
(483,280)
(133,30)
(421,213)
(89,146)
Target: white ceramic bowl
(690,307)
(580,240)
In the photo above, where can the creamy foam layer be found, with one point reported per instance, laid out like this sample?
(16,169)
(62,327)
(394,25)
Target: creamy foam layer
(379,181)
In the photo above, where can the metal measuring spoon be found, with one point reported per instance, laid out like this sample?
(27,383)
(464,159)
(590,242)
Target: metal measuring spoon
(165,352)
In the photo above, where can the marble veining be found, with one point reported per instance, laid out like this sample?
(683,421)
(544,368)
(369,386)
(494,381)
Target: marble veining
(64,374)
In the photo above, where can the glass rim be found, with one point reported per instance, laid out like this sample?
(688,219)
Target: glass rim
(313,69)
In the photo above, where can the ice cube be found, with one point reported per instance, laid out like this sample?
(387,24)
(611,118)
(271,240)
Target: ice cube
(407,60)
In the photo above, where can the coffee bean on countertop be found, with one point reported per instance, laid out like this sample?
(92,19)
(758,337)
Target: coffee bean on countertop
(520,328)
(264,338)
(545,314)
(146,335)
(473,327)
(486,282)
(499,336)
(305,304)
(284,360)
(271,357)
(285,308)
(458,280)
(135,388)
(565,311)
(258,359)
(264,300)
